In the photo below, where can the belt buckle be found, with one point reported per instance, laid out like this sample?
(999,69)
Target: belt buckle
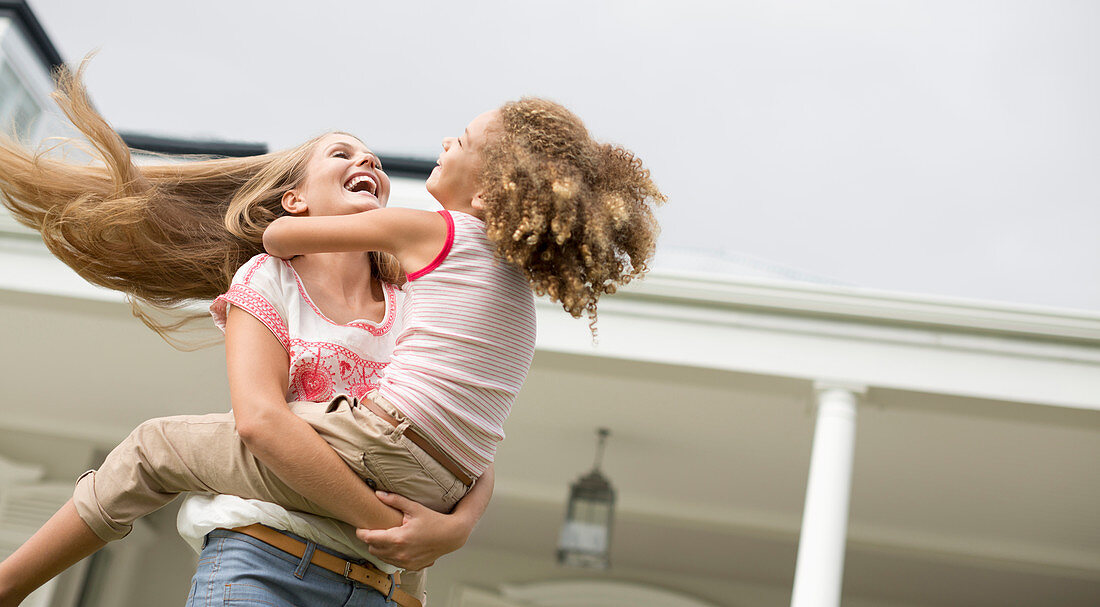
(347,571)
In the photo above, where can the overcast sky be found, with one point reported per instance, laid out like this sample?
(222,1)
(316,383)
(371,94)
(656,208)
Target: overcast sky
(941,147)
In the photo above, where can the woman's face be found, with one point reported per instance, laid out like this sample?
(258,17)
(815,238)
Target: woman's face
(342,177)
(453,181)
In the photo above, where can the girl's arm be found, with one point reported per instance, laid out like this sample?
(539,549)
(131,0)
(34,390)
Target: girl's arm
(424,534)
(414,237)
(259,372)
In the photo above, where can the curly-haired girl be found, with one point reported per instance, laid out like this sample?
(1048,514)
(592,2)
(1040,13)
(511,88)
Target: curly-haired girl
(529,201)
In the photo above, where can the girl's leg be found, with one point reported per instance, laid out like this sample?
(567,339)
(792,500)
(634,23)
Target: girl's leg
(58,545)
(168,456)
(157,461)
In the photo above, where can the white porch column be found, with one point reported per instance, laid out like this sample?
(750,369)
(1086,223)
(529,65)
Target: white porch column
(820,564)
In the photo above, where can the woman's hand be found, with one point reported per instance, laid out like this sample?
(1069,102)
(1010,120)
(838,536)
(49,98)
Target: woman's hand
(424,534)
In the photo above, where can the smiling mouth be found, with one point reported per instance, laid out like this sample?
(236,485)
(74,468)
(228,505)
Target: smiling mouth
(362,182)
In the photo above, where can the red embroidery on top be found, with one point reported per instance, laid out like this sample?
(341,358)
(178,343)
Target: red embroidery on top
(374,329)
(312,381)
(255,304)
(255,266)
(391,313)
(321,369)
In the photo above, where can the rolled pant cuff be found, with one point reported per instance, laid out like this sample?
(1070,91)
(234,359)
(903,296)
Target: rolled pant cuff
(87,506)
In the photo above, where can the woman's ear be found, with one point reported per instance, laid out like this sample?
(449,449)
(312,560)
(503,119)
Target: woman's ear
(294,203)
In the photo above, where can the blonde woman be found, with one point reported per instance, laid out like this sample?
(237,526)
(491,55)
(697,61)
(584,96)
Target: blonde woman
(168,235)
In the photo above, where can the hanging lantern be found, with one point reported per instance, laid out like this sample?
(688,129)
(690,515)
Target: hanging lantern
(585,539)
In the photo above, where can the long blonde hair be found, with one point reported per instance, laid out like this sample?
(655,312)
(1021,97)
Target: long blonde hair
(164,234)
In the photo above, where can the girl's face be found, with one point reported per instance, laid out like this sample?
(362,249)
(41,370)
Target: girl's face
(342,177)
(453,181)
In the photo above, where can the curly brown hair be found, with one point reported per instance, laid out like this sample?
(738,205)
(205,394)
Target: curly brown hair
(575,215)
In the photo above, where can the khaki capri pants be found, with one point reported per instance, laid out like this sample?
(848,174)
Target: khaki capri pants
(170,455)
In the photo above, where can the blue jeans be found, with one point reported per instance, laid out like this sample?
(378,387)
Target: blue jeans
(235,569)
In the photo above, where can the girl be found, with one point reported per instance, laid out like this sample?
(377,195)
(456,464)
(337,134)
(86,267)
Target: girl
(572,218)
(524,184)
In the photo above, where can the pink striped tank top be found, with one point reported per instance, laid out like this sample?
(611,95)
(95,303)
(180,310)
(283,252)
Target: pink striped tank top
(466,346)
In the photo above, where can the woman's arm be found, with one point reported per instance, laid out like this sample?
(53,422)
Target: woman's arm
(414,237)
(258,375)
(424,534)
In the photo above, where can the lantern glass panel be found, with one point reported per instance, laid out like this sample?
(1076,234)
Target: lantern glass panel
(586,534)
(585,539)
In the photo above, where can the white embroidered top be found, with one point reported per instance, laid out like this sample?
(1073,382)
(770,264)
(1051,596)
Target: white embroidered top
(326,359)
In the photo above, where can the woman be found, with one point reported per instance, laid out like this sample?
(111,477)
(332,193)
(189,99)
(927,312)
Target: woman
(311,317)
(170,234)
(335,159)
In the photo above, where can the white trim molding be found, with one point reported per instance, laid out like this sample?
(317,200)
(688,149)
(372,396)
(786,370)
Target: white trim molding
(767,327)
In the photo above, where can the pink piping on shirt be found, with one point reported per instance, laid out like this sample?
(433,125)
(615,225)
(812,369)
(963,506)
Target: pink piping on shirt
(442,254)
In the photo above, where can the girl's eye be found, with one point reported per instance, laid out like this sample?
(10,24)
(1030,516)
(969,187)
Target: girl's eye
(339,154)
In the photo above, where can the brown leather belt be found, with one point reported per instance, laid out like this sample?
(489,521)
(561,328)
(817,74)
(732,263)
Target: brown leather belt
(366,574)
(421,442)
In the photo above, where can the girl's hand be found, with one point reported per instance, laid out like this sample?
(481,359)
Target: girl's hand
(423,536)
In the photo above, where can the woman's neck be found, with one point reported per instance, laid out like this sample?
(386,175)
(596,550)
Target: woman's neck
(343,275)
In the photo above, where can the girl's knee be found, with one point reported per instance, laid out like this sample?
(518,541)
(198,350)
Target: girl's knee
(158,442)
(150,432)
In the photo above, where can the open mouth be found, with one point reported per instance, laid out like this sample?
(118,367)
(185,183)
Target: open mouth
(362,182)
